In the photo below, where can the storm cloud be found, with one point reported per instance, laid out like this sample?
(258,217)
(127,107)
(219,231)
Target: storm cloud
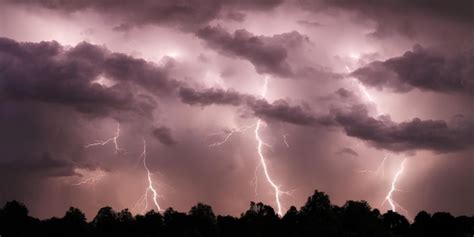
(424,69)
(48,72)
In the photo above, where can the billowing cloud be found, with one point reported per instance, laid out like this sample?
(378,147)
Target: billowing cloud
(383,133)
(348,151)
(187,15)
(163,134)
(424,69)
(211,96)
(267,54)
(182,79)
(399,16)
(86,77)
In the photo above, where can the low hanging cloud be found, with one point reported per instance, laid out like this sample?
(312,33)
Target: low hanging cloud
(164,135)
(269,55)
(423,69)
(47,72)
(187,15)
(400,17)
(381,132)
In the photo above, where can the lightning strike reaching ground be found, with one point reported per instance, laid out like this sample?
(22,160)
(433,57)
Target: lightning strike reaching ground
(262,157)
(111,139)
(389,198)
(150,184)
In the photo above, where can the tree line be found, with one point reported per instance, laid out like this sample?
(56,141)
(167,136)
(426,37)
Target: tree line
(318,217)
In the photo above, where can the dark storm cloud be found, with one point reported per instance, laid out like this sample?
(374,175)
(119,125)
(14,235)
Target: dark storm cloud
(347,150)
(269,55)
(383,133)
(163,134)
(279,110)
(44,165)
(187,15)
(399,16)
(48,72)
(309,23)
(211,96)
(424,69)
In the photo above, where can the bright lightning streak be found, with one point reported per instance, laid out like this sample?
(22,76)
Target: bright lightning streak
(285,140)
(389,198)
(90,177)
(91,180)
(111,139)
(150,182)
(262,157)
(380,169)
(361,87)
(393,188)
(228,135)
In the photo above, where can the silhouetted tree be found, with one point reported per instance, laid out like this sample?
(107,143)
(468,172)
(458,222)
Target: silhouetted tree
(357,219)
(204,220)
(396,223)
(14,220)
(151,224)
(318,217)
(105,222)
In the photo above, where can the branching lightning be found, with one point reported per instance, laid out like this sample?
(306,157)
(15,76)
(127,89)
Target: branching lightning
(228,134)
(379,170)
(107,141)
(393,188)
(150,187)
(263,163)
(361,87)
(389,197)
(89,177)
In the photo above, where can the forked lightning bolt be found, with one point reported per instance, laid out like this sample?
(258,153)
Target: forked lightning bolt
(263,163)
(379,170)
(393,188)
(389,197)
(150,183)
(227,135)
(111,139)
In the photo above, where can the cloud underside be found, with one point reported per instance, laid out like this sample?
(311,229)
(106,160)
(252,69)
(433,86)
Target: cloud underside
(380,132)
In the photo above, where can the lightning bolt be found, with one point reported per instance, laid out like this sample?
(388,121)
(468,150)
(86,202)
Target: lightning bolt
(91,180)
(389,198)
(380,169)
(285,140)
(361,87)
(88,176)
(150,187)
(393,188)
(228,134)
(108,140)
(263,163)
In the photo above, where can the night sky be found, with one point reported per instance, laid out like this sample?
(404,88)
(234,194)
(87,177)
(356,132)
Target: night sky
(357,93)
